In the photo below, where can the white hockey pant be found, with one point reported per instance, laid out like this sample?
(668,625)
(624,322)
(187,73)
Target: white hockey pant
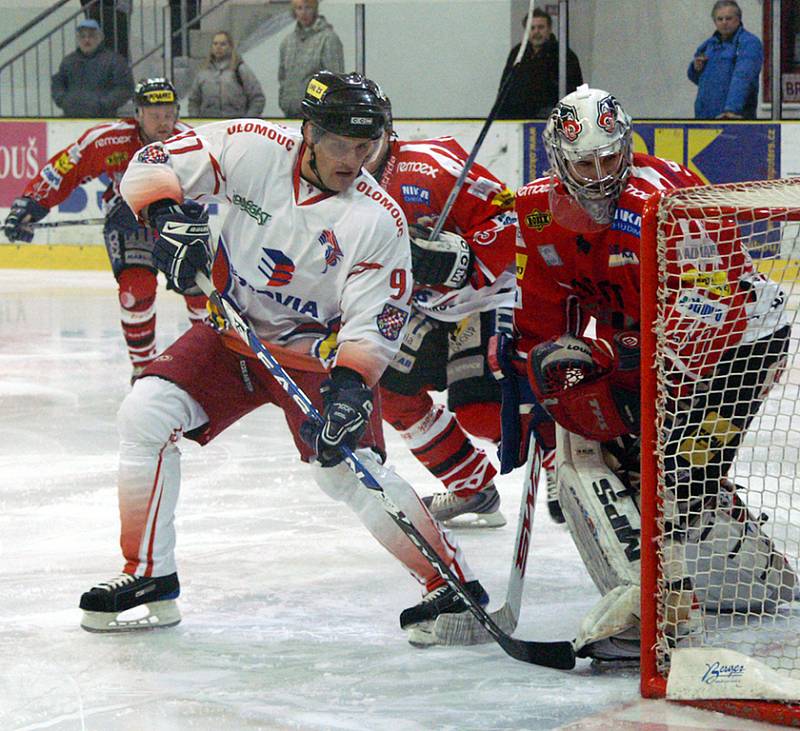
(151,420)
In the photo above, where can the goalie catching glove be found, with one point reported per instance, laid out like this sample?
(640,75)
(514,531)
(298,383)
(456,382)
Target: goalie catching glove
(347,407)
(24,212)
(446,261)
(183,244)
(590,387)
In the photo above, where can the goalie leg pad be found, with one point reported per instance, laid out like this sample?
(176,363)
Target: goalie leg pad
(611,629)
(736,565)
(600,512)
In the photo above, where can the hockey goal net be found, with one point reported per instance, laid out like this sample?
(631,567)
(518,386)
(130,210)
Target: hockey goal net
(721,448)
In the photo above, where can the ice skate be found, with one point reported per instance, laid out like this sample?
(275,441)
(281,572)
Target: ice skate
(127,603)
(420,619)
(467,510)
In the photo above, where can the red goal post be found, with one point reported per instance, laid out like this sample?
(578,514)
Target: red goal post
(696,244)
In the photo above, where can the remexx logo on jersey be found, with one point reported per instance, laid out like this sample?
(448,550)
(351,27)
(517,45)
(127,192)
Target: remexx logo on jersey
(333,252)
(423,168)
(276,267)
(629,222)
(619,256)
(415,194)
(252,209)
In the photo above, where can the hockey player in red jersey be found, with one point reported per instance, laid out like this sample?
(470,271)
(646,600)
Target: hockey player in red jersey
(463,283)
(107,149)
(317,257)
(580,245)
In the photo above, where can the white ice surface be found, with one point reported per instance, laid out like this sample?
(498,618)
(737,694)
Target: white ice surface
(290,608)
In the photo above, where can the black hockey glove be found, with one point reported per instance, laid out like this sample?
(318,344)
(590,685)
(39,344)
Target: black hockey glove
(347,407)
(24,212)
(448,260)
(183,244)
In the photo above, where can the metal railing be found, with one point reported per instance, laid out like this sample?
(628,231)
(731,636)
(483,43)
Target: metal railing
(141,30)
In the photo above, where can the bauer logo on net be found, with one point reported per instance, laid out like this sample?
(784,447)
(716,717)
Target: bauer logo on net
(717,672)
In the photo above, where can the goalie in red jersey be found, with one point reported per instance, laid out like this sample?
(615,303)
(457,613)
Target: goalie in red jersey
(107,149)
(579,249)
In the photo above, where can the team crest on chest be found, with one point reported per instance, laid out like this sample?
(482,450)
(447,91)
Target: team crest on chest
(333,252)
(276,267)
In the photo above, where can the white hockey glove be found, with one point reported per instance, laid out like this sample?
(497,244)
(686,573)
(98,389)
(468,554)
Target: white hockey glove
(447,261)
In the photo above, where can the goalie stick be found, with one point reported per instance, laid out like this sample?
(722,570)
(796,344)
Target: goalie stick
(558,655)
(463,629)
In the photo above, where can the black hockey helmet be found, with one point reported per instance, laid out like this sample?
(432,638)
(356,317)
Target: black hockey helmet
(149,92)
(345,104)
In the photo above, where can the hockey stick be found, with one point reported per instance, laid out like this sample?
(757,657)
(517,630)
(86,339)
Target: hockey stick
(461,629)
(68,222)
(501,96)
(549,654)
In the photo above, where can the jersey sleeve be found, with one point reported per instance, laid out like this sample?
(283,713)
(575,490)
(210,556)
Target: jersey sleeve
(189,165)
(65,171)
(376,305)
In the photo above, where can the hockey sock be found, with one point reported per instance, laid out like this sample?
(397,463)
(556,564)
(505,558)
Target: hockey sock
(137,297)
(196,307)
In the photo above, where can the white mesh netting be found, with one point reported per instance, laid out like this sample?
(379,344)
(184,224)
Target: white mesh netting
(727,364)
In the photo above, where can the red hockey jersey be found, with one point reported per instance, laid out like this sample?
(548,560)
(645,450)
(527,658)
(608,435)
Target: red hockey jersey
(419,175)
(105,148)
(601,269)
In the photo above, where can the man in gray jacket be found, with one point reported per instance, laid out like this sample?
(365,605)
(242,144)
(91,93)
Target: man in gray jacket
(312,47)
(92,81)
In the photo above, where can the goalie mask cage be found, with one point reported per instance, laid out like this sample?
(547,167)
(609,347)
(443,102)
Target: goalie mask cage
(721,629)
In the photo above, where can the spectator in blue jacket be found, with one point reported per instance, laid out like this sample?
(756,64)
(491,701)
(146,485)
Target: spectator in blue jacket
(726,67)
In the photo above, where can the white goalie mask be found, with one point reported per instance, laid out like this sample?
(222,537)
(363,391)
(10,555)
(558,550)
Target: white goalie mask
(588,144)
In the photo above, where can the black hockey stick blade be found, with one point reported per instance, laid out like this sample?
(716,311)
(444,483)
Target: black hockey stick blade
(558,655)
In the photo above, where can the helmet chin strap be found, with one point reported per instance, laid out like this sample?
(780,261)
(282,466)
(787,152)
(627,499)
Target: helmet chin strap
(312,163)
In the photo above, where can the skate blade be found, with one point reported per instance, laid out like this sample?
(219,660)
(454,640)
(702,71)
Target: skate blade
(476,520)
(422,635)
(156,615)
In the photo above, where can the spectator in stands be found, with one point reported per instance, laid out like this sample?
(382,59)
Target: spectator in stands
(225,86)
(312,47)
(112,17)
(92,81)
(726,67)
(534,90)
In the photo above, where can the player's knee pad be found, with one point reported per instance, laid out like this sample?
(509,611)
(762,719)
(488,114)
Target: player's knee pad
(601,513)
(480,420)
(157,411)
(137,289)
(402,411)
(128,243)
(735,565)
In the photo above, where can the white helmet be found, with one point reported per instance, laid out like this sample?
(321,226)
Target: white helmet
(587,126)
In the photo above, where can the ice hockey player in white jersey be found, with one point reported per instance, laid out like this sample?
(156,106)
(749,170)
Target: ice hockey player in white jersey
(316,255)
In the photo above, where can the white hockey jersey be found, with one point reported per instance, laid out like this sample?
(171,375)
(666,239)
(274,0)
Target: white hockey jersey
(309,270)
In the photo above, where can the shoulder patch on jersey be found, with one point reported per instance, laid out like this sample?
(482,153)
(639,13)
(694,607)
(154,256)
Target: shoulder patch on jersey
(415,194)
(391,321)
(153,154)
